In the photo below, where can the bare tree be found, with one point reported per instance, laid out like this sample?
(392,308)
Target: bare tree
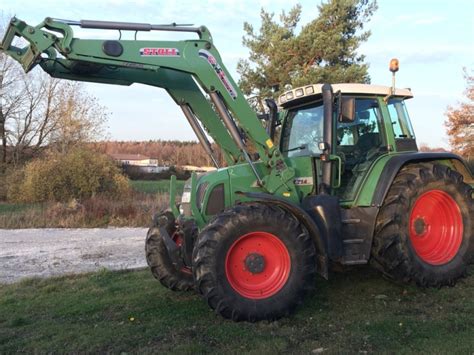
(77,118)
(460,122)
(10,100)
(42,111)
(37,111)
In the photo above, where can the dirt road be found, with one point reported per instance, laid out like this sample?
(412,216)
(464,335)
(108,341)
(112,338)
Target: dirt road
(49,252)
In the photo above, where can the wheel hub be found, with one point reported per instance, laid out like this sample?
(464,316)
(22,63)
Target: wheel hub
(255,263)
(420,226)
(436,227)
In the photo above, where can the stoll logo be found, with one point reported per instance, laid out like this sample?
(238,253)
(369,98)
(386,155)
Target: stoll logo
(159,52)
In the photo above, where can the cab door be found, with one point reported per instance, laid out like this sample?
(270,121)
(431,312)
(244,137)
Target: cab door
(358,145)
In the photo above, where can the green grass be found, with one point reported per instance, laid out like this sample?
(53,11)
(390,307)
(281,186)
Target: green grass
(116,312)
(159,186)
(16,207)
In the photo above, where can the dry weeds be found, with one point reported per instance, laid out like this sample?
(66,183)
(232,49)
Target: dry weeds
(134,210)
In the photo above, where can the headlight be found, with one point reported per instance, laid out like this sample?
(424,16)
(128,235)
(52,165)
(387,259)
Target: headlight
(186,197)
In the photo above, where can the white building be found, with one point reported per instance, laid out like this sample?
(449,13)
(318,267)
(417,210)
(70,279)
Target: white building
(144,163)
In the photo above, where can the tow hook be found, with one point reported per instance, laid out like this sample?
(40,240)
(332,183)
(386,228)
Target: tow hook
(171,247)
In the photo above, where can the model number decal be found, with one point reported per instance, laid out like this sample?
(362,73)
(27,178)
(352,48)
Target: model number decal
(159,52)
(219,71)
(303,181)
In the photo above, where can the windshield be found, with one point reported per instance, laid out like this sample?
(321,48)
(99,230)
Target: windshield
(400,120)
(303,130)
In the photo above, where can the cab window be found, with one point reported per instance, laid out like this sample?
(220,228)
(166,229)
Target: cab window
(303,131)
(400,120)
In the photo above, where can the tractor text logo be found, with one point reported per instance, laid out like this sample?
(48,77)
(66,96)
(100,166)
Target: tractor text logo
(159,52)
(301,181)
(220,73)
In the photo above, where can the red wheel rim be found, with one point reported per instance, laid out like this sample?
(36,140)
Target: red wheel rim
(178,239)
(271,274)
(436,227)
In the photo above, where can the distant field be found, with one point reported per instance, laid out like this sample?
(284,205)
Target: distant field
(130,312)
(159,186)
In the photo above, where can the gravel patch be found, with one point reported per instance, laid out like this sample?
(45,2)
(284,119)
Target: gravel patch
(54,251)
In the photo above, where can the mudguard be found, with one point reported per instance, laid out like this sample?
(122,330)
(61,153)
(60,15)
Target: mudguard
(394,165)
(305,219)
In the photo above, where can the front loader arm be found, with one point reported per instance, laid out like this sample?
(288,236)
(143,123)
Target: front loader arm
(179,86)
(173,65)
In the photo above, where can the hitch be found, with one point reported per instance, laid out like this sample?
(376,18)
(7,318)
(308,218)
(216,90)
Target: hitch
(172,248)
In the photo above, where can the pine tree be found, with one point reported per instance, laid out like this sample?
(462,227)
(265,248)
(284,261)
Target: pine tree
(325,50)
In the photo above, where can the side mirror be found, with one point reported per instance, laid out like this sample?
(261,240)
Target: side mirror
(346,109)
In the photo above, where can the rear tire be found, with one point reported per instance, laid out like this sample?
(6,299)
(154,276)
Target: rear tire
(160,262)
(424,231)
(254,262)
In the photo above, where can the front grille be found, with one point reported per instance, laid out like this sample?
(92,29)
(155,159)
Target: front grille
(216,201)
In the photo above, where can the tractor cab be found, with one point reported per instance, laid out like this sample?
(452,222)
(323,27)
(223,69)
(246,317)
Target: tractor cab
(368,121)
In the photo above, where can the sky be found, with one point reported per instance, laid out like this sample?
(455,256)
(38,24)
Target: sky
(433,39)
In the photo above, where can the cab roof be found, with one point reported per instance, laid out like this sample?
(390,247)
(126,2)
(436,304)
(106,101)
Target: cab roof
(309,92)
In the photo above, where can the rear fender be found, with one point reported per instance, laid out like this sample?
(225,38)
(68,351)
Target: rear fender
(394,165)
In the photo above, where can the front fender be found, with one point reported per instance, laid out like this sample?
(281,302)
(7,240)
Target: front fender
(304,218)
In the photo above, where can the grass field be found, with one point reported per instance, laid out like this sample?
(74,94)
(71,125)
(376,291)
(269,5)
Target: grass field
(18,207)
(153,187)
(130,312)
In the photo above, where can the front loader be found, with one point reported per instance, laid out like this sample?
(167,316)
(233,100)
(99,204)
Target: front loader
(343,185)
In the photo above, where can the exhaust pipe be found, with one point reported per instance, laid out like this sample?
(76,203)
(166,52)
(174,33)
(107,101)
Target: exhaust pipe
(328,100)
(273,114)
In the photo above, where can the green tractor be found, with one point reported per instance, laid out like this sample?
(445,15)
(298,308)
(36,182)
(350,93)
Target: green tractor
(344,185)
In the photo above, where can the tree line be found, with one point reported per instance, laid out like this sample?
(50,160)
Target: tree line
(168,153)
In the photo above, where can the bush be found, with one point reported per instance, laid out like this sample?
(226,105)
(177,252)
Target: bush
(78,174)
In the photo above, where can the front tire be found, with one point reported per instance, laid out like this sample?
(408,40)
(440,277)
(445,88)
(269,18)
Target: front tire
(160,262)
(424,229)
(254,262)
